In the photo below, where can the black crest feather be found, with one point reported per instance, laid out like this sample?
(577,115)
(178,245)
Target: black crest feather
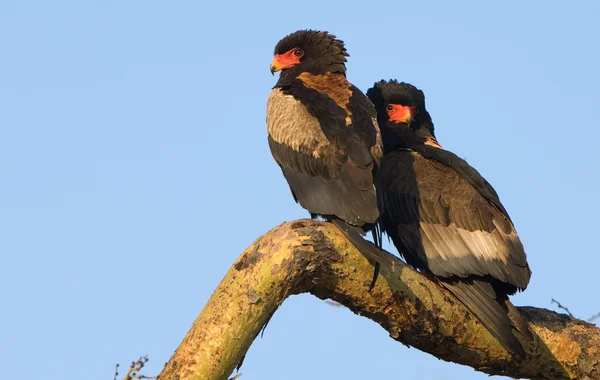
(323,50)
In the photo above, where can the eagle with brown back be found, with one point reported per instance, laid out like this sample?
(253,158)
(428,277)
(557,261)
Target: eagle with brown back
(323,133)
(445,218)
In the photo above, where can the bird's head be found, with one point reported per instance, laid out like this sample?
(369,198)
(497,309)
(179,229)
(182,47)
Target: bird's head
(401,113)
(310,51)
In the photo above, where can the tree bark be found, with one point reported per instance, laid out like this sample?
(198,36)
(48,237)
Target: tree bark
(308,256)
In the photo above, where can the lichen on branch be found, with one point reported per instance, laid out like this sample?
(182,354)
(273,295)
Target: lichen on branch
(308,256)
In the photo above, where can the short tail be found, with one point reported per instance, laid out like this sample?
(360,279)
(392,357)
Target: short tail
(517,320)
(496,313)
(369,250)
(377,234)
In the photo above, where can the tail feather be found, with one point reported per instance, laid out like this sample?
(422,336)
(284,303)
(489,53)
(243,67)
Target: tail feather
(518,321)
(481,299)
(377,234)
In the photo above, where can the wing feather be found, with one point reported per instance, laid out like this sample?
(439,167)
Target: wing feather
(461,232)
(328,173)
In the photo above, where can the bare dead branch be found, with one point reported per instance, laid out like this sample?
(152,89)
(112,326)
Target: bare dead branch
(134,369)
(562,307)
(590,319)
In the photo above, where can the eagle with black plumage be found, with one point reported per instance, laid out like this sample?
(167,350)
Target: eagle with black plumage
(445,218)
(323,132)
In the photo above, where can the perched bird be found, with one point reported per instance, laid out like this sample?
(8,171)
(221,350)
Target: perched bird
(445,218)
(323,133)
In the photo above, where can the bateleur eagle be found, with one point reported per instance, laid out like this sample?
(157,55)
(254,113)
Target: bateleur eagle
(323,133)
(445,218)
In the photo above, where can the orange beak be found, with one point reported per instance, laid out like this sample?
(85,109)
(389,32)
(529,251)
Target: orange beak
(276,65)
(406,115)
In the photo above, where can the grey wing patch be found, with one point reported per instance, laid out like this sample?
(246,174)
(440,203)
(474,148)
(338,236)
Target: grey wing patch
(453,251)
(476,239)
(459,233)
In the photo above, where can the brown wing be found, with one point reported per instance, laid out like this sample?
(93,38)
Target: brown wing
(323,176)
(442,222)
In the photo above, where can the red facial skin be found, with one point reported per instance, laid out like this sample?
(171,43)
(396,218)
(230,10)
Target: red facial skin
(287,59)
(405,114)
(399,113)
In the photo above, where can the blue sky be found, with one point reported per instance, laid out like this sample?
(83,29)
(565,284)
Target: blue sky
(135,167)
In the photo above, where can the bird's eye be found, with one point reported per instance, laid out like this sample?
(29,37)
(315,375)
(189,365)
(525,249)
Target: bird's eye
(298,52)
(389,108)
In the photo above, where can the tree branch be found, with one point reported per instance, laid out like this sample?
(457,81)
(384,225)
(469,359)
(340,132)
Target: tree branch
(314,257)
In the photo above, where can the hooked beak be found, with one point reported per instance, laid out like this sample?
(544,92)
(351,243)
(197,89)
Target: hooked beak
(276,65)
(405,115)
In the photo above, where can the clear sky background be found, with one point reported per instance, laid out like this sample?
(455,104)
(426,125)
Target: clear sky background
(135,168)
